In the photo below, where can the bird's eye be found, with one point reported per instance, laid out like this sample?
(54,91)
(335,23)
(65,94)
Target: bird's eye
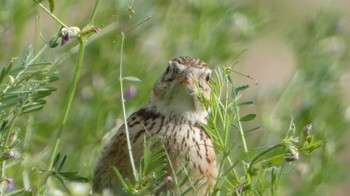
(168,74)
(167,70)
(207,78)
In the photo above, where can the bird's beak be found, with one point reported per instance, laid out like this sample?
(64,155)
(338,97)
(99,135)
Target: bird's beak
(184,77)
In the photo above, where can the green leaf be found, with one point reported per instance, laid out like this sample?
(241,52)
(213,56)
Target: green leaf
(62,182)
(190,187)
(41,93)
(34,106)
(153,158)
(234,126)
(25,78)
(248,117)
(5,71)
(273,181)
(57,158)
(313,146)
(41,64)
(184,179)
(28,57)
(7,97)
(53,42)
(229,79)
(52,5)
(246,103)
(62,163)
(253,129)
(12,90)
(228,170)
(267,163)
(17,141)
(3,125)
(51,78)
(73,176)
(120,178)
(8,104)
(16,70)
(39,96)
(240,88)
(132,78)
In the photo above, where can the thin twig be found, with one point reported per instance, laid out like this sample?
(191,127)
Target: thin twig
(93,15)
(138,24)
(49,13)
(123,106)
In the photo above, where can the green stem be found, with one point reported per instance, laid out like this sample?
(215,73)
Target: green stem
(67,108)
(124,113)
(38,54)
(92,19)
(8,133)
(71,94)
(279,176)
(3,165)
(240,127)
(5,143)
(49,13)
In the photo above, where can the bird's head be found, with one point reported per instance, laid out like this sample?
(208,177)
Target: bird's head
(178,87)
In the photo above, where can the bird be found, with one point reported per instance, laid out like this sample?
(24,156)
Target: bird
(176,115)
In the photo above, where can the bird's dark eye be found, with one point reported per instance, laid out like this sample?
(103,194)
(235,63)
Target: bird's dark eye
(208,77)
(167,70)
(169,74)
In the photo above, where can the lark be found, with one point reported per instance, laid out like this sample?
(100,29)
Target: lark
(175,114)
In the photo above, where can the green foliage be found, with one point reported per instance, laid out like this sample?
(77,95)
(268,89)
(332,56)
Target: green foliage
(60,175)
(152,173)
(24,85)
(151,170)
(225,120)
(257,152)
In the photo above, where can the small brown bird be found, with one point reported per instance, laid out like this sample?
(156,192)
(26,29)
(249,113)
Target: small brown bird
(176,115)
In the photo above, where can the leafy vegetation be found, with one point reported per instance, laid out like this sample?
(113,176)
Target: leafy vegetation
(62,95)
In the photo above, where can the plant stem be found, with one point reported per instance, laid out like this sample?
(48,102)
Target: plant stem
(5,143)
(123,106)
(49,13)
(66,110)
(71,94)
(240,128)
(93,15)
(3,164)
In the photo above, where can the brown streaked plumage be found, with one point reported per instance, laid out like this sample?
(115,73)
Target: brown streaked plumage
(174,113)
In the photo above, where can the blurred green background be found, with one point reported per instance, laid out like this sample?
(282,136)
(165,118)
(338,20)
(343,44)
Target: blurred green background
(297,51)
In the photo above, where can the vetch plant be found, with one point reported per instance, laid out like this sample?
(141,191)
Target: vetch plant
(247,175)
(24,85)
(66,33)
(244,167)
